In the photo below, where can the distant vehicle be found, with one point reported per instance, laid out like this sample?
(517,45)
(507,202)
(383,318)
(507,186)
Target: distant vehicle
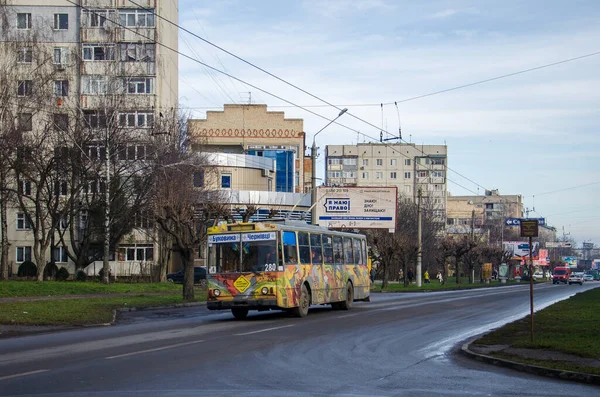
(561,274)
(576,278)
(588,277)
(199,274)
(538,275)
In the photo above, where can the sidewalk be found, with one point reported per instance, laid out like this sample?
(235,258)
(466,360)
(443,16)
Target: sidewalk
(483,353)
(79,296)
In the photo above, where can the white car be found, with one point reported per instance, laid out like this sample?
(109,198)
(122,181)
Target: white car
(588,277)
(576,278)
(538,275)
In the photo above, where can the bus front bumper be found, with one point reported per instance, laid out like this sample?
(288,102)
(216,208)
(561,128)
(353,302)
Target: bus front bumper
(250,304)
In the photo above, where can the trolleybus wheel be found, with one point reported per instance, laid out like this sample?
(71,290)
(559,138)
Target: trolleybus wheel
(347,304)
(239,313)
(304,303)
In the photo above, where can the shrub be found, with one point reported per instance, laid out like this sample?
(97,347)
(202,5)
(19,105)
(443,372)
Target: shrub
(27,269)
(50,271)
(81,276)
(62,274)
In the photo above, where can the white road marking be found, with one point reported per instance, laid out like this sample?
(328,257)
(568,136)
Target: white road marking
(153,350)
(23,374)
(264,330)
(348,315)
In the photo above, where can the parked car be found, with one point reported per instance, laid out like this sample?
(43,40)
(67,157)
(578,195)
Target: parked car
(588,277)
(576,278)
(538,275)
(199,274)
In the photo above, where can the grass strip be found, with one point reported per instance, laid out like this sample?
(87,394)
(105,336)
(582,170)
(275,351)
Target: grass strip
(51,288)
(80,311)
(559,365)
(447,286)
(567,327)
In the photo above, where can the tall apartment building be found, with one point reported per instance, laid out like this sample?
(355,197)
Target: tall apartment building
(410,167)
(93,51)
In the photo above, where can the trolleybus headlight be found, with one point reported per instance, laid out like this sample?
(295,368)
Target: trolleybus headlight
(264,290)
(216,292)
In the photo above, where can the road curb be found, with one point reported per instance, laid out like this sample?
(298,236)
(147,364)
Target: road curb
(532,369)
(174,305)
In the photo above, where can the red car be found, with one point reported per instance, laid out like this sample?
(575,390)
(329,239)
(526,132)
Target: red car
(561,274)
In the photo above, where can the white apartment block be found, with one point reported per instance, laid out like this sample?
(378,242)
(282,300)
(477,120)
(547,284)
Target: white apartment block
(93,48)
(410,167)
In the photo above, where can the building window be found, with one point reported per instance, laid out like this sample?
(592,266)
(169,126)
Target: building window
(365,175)
(334,174)
(437,174)
(365,162)
(392,175)
(138,85)
(135,152)
(349,161)
(23,20)
(61,121)
(407,162)
(25,188)
(95,152)
(60,255)
(489,206)
(94,119)
(379,162)
(198,178)
(438,161)
(379,175)
(93,85)
(25,55)
(97,18)
(144,220)
(407,189)
(61,21)
(226,181)
(23,254)
(60,55)
(23,222)
(334,161)
(98,52)
(422,174)
(61,87)
(349,174)
(137,52)
(24,88)
(136,119)
(393,162)
(25,121)
(139,253)
(136,18)
(407,175)
(60,188)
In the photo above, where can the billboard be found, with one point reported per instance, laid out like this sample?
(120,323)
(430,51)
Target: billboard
(357,207)
(596,264)
(517,221)
(520,249)
(558,244)
(571,261)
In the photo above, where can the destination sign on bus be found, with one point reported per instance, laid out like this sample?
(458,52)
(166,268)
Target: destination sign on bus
(264,236)
(223,238)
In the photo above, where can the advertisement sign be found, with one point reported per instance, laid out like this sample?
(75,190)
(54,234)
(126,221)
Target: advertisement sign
(543,259)
(356,207)
(571,261)
(520,249)
(486,269)
(517,221)
(558,244)
(503,271)
(529,227)
(596,264)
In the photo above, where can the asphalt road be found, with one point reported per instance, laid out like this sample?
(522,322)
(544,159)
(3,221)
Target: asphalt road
(396,345)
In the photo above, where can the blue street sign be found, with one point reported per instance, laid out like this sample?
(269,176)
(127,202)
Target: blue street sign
(517,221)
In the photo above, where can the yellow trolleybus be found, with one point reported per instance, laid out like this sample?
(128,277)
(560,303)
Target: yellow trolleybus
(286,265)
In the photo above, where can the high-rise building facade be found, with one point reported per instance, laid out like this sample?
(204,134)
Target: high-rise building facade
(410,167)
(79,63)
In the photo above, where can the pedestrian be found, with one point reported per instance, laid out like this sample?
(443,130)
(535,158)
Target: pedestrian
(439,276)
(410,275)
(426,277)
(372,275)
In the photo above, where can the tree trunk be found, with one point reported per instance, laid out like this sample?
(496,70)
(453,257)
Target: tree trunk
(187,258)
(5,244)
(457,271)
(386,276)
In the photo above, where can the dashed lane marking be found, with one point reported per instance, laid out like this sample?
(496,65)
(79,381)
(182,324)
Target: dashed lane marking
(23,374)
(153,350)
(264,330)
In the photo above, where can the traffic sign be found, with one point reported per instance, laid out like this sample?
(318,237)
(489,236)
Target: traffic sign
(517,221)
(558,244)
(529,227)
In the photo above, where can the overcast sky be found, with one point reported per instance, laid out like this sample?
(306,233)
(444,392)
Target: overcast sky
(529,134)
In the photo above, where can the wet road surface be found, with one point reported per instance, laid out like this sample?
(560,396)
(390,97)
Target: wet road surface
(396,345)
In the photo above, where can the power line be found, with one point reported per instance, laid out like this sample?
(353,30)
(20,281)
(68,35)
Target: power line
(251,85)
(565,189)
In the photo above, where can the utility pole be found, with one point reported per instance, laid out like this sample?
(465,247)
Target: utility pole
(419,232)
(105,263)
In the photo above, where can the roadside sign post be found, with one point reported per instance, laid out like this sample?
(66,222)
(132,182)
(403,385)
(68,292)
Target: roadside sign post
(529,228)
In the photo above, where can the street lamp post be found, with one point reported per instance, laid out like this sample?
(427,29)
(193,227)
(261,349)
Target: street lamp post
(313,155)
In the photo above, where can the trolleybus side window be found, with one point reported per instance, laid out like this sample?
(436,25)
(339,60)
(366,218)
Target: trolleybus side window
(348,251)
(328,250)
(316,250)
(304,247)
(363,249)
(338,250)
(357,251)
(289,247)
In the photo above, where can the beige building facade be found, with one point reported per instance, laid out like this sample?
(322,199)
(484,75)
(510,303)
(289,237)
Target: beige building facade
(100,54)
(409,167)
